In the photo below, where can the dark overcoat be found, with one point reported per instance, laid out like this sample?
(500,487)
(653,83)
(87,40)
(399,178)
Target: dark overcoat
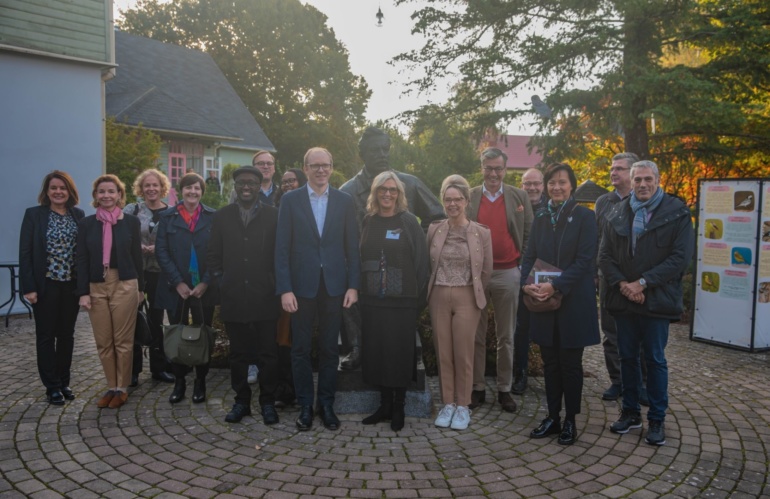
(173,251)
(241,259)
(572,248)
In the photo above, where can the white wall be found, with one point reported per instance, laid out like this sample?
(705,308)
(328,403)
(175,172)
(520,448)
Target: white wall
(51,117)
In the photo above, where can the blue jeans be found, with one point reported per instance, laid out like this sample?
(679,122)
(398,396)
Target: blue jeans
(521,337)
(636,330)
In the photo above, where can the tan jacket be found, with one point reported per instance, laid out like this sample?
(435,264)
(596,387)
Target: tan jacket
(518,211)
(480,247)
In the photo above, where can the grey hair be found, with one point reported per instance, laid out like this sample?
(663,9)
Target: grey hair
(646,164)
(628,156)
(494,153)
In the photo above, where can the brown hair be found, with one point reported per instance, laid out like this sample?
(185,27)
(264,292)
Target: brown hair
(103,179)
(74,198)
(190,179)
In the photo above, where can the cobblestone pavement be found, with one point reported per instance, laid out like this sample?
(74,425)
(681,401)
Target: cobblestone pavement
(718,430)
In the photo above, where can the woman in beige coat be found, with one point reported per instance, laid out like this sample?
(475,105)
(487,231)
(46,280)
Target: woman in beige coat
(461,264)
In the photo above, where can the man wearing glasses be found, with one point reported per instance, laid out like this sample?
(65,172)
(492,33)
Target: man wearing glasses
(265,163)
(532,183)
(620,177)
(374,150)
(317,269)
(508,214)
(240,257)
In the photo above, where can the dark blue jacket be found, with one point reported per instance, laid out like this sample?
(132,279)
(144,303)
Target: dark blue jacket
(33,255)
(172,249)
(572,248)
(301,254)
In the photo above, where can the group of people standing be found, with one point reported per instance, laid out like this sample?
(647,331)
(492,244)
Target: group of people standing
(371,255)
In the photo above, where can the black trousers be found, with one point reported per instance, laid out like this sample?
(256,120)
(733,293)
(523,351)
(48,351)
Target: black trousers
(183,317)
(158,361)
(55,314)
(253,343)
(563,372)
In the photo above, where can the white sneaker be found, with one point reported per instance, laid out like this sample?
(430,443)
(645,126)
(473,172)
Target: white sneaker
(445,416)
(253,371)
(461,418)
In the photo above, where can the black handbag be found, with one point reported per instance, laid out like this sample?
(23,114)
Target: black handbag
(189,345)
(142,331)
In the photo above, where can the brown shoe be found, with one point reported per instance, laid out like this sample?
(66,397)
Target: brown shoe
(105,401)
(506,401)
(477,398)
(118,400)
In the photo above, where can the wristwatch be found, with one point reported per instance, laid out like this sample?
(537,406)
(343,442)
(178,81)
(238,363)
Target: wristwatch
(642,282)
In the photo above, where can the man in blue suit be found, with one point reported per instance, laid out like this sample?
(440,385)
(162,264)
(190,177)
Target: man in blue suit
(317,274)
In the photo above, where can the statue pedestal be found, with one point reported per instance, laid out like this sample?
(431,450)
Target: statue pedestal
(356,397)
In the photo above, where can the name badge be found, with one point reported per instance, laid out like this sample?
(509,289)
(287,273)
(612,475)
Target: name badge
(393,234)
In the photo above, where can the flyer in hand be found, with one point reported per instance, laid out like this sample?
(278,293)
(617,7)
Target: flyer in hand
(542,272)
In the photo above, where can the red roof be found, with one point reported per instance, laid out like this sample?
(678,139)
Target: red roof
(515,147)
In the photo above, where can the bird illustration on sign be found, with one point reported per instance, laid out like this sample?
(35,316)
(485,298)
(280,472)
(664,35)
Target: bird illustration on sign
(744,201)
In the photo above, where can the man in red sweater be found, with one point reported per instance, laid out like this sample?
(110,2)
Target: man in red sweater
(507,212)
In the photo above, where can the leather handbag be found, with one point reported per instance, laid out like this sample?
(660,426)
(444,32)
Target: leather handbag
(549,305)
(189,345)
(142,331)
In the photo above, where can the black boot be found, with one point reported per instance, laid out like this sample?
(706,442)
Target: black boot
(385,410)
(399,401)
(351,318)
(180,385)
(199,391)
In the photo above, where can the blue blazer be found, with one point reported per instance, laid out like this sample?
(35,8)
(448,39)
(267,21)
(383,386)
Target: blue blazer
(301,253)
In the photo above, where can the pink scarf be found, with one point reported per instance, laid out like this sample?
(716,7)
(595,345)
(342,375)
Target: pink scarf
(108,219)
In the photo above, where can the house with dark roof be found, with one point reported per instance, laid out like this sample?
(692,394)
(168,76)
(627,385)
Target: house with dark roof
(182,95)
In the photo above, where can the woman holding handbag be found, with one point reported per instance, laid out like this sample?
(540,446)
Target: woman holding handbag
(151,186)
(48,280)
(184,286)
(565,237)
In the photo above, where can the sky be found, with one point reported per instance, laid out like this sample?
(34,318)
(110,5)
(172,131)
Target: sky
(371,48)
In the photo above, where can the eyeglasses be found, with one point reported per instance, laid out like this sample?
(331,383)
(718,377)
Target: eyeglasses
(320,166)
(264,163)
(393,191)
(246,183)
(619,169)
(289,181)
(496,169)
(532,184)
(448,201)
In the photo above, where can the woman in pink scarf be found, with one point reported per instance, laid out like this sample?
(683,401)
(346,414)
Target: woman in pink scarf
(110,283)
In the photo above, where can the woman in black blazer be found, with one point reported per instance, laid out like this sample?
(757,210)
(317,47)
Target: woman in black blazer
(47,279)
(110,283)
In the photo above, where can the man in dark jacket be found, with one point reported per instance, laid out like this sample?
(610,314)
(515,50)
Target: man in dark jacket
(241,257)
(620,176)
(374,150)
(646,246)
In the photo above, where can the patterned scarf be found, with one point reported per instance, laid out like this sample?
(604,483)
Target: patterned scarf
(108,219)
(555,210)
(191,219)
(641,210)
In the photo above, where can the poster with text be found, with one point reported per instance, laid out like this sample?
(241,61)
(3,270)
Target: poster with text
(727,260)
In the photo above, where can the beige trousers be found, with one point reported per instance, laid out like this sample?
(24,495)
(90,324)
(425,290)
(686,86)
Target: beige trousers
(113,318)
(503,293)
(454,316)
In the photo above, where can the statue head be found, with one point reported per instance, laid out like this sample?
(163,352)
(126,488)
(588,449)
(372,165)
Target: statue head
(374,150)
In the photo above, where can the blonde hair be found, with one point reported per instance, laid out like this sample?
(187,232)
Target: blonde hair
(317,149)
(373,204)
(459,183)
(110,178)
(165,185)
